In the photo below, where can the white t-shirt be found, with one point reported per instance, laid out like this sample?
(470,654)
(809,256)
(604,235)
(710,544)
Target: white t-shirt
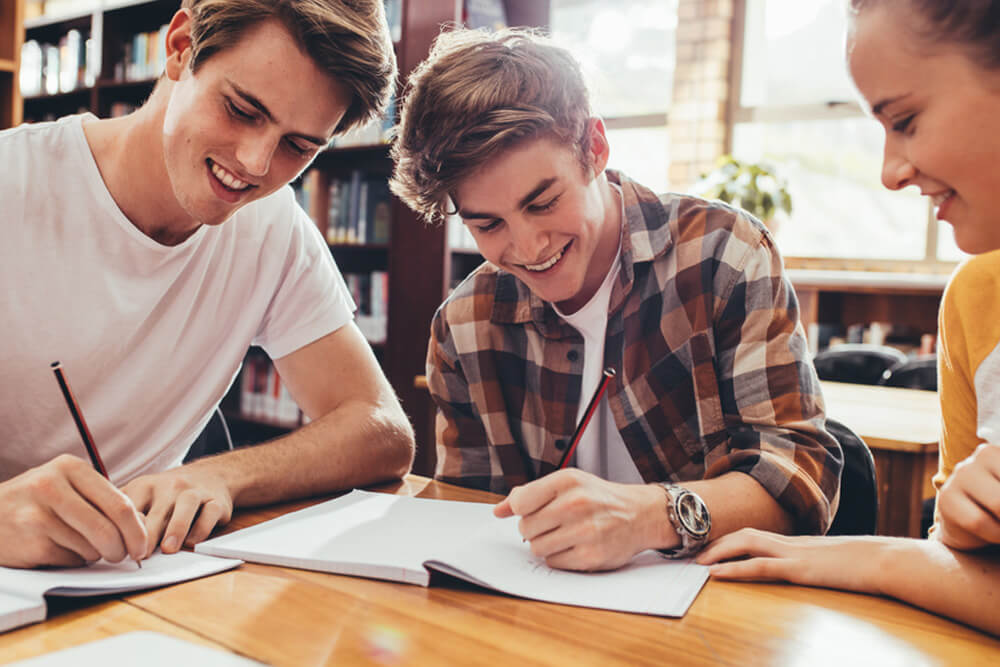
(150,337)
(601,450)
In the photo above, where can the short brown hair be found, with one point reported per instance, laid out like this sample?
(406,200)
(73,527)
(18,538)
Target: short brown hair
(476,95)
(349,39)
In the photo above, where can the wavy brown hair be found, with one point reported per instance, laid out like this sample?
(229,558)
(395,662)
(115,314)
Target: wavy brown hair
(476,95)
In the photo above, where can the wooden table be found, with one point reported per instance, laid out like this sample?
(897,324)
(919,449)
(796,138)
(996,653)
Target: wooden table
(298,618)
(902,428)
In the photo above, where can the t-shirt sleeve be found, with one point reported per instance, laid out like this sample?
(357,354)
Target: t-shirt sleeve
(311,299)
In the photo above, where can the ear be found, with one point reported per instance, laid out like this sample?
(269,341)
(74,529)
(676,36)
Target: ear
(599,150)
(178,44)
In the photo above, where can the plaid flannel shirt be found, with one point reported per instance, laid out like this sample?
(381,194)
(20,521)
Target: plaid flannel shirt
(703,330)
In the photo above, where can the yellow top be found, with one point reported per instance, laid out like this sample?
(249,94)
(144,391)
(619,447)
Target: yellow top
(969,361)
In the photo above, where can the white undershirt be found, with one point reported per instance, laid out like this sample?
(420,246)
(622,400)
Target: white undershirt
(601,450)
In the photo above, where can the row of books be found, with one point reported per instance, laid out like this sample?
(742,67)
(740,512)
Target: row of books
(144,57)
(70,64)
(370,292)
(906,339)
(50,69)
(264,396)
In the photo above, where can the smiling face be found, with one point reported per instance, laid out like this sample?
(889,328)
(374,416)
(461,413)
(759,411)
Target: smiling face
(536,212)
(941,114)
(246,123)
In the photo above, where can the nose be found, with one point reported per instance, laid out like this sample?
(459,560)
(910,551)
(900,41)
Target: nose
(897,170)
(528,240)
(255,151)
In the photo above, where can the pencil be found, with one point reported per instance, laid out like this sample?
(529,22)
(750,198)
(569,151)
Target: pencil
(587,415)
(81,424)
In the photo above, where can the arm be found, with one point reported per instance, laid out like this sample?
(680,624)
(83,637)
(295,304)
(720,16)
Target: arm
(359,436)
(777,470)
(924,573)
(64,513)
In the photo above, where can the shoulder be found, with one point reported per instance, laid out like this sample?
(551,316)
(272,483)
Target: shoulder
(973,282)
(473,300)
(41,141)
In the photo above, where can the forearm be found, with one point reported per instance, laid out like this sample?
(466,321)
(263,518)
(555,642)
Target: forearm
(735,500)
(356,444)
(927,574)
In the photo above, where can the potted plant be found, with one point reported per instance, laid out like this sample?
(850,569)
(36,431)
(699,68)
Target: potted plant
(756,188)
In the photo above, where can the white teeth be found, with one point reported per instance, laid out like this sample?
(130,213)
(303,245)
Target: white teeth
(545,265)
(939,199)
(228,179)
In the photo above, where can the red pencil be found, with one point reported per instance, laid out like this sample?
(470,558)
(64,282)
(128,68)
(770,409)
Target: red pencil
(587,414)
(81,424)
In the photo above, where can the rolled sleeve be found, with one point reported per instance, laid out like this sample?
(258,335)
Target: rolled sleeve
(771,398)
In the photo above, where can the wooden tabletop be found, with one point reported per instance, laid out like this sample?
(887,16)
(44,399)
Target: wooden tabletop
(292,617)
(887,417)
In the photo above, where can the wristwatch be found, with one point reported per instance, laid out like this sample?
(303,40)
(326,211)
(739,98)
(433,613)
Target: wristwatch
(690,518)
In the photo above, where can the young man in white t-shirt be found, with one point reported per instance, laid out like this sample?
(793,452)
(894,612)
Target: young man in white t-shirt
(146,253)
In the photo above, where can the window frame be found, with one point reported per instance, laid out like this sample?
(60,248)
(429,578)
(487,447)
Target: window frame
(829,110)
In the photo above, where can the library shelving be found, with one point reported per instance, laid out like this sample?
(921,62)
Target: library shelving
(105,61)
(11,37)
(415,261)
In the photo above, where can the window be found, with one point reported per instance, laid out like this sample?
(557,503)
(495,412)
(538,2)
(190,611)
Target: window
(798,110)
(626,50)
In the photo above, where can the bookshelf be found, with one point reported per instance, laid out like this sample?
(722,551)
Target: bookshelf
(418,261)
(11,37)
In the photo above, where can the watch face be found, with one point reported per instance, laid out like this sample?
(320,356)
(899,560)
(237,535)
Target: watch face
(693,514)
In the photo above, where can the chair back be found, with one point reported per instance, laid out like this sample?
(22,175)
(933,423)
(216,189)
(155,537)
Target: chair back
(858,363)
(213,439)
(917,373)
(858,510)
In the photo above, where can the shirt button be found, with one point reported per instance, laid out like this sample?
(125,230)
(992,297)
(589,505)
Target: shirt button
(572,355)
(561,444)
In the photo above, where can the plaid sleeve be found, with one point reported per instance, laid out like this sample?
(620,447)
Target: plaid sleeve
(463,451)
(771,399)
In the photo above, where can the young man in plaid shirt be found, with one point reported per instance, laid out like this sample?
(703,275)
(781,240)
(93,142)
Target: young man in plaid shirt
(714,419)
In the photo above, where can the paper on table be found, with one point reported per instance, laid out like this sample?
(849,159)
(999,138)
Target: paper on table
(495,557)
(361,534)
(398,538)
(148,649)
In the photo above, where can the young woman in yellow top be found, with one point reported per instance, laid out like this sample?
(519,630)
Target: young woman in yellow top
(930,73)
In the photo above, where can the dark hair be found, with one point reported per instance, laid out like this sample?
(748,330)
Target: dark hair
(973,24)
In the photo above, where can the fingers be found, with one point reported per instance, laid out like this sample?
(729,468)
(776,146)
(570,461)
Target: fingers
(98,512)
(181,515)
(753,569)
(747,542)
(969,502)
(532,497)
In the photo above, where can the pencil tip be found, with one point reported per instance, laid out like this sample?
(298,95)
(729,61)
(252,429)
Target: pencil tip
(54,364)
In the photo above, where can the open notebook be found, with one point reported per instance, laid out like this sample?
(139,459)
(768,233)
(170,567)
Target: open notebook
(400,538)
(22,592)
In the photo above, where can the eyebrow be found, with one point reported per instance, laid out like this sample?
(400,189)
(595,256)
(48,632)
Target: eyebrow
(880,107)
(253,101)
(542,186)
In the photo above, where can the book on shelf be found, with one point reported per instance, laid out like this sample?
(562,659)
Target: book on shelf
(62,67)
(143,57)
(264,396)
(370,292)
(459,236)
(405,539)
(375,132)
(359,210)
(23,592)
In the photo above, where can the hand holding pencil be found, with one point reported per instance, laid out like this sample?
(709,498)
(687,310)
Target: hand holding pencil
(578,521)
(65,513)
